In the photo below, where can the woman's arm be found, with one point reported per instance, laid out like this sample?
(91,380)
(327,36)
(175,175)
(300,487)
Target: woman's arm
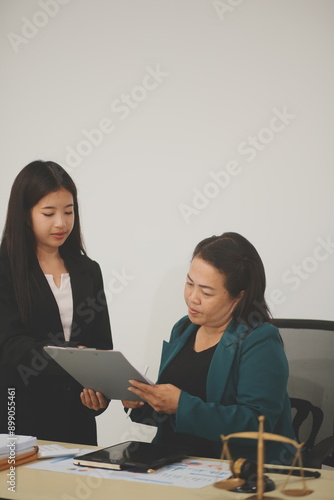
(18,347)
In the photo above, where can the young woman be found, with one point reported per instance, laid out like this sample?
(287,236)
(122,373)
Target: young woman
(51,293)
(224,365)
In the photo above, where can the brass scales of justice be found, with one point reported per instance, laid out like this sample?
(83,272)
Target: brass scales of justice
(236,480)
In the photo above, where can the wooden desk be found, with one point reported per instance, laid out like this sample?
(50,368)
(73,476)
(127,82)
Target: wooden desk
(43,485)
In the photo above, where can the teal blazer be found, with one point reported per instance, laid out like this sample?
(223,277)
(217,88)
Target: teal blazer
(247,378)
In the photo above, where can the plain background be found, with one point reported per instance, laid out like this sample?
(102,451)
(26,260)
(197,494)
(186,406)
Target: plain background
(187,95)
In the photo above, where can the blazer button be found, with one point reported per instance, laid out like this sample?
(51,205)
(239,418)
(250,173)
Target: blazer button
(67,387)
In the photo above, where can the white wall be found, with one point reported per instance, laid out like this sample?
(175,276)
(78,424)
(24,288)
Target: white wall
(224,74)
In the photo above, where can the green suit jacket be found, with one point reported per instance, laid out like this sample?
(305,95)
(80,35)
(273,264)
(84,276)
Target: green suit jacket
(247,378)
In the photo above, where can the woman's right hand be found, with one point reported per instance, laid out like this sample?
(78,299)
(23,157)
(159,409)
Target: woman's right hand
(132,404)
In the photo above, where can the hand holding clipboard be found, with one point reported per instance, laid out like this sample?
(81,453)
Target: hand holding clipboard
(105,371)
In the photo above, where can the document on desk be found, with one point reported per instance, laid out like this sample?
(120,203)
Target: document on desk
(105,371)
(189,473)
(56,450)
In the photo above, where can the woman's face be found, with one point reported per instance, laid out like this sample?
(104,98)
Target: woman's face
(52,219)
(209,303)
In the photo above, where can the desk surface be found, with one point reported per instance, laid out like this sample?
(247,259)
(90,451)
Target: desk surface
(43,485)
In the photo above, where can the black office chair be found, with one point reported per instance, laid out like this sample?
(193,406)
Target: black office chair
(309,346)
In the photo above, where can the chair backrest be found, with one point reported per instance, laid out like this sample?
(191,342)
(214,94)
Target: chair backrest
(309,346)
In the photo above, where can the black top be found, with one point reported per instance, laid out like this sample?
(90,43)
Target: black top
(188,371)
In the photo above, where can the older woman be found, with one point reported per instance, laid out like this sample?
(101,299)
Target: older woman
(224,365)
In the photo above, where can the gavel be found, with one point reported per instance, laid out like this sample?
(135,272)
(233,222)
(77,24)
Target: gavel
(245,469)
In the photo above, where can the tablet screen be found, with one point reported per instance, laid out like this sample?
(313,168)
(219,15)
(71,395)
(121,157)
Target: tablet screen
(131,455)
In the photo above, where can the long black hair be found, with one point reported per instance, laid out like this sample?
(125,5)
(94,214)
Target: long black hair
(35,181)
(241,266)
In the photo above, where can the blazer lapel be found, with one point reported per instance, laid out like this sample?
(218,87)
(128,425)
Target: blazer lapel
(171,349)
(80,287)
(222,361)
(48,311)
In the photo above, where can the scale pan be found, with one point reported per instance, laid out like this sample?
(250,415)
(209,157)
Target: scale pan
(297,492)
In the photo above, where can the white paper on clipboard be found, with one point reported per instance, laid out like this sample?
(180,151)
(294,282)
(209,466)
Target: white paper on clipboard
(105,371)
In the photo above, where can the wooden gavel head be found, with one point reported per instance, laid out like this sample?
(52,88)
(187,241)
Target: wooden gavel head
(243,468)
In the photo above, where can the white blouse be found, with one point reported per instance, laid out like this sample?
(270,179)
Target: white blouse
(64,299)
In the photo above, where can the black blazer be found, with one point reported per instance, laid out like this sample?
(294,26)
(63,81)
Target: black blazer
(47,401)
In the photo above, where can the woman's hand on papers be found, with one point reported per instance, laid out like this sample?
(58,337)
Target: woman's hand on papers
(163,398)
(93,400)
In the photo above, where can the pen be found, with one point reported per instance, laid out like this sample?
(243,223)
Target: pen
(128,413)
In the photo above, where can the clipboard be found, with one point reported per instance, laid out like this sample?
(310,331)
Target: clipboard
(131,455)
(106,371)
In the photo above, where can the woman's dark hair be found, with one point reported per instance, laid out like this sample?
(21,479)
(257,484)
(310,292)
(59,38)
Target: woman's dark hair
(242,268)
(35,181)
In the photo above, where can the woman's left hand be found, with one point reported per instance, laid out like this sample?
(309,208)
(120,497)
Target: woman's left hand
(93,400)
(163,398)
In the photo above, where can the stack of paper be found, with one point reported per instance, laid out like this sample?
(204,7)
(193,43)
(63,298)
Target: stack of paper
(15,450)
(18,445)
(56,450)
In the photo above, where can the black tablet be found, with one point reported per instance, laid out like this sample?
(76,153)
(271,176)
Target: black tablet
(131,455)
